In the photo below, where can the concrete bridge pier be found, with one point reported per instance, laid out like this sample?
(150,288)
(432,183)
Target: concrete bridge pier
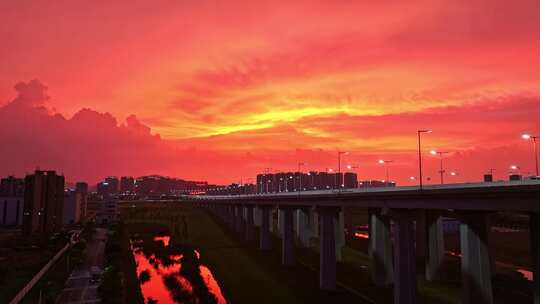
(225,214)
(339,229)
(303,226)
(230,216)
(249,223)
(404,258)
(421,237)
(271,218)
(327,256)
(218,211)
(257,217)
(534,232)
(280,222)
(435,244)
(315,223)
(382,271)
(370,212)
(239,220)
(265,243)
(287,249)
(475,261)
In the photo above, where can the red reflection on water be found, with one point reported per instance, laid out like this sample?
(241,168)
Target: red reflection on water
(164,239)
(527,274)
(197,254)
(212,284)
(456,254)
(361,235)
(155,287)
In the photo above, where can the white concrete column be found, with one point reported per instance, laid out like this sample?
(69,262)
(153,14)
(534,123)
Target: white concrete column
(271,219)
(257,216)
(315,223)
(238,219)
(421,236)
(281,222)
(435,245)
(303,227)
(339,230)
(287,248)
(249,231)
(405,288)
(327,256)
(265,242)
(475,262)
(382,269)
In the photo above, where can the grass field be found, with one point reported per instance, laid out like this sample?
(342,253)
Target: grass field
(247,275)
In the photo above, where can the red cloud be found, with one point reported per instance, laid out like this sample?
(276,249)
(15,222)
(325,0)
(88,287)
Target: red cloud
(91,145)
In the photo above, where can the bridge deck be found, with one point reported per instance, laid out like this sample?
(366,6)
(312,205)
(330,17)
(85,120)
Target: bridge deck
(516,195)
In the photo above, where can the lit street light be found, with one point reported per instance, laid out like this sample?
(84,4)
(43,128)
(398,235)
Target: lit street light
(441,170)
(352,167)
(339,166)
(330,170)
(300,164)
(420,153)
(528,137)
(384,163)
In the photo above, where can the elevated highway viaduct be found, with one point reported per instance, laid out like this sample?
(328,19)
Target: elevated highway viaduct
(400,220)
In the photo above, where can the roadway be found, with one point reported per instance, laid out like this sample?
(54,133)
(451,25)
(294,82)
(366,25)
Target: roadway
(78,289)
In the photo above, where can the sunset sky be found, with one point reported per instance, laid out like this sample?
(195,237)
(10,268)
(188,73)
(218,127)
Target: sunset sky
(221,90)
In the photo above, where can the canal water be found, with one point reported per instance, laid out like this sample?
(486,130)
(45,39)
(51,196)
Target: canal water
(172,274)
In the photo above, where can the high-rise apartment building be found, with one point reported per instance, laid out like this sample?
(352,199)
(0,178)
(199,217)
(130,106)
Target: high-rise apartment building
(127,184)
(113,184)
(43,202)
(82,189)
(11,201)
(72,207)
(11,187)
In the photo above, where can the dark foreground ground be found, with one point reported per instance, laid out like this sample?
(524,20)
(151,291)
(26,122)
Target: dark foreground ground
(247,275)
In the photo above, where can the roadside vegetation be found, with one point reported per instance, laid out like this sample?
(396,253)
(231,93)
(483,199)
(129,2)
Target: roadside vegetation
(119,283)
(52,283)
(23,257)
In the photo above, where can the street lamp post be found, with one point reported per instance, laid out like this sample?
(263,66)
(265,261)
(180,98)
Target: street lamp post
(441,170)
(533,137)
(300,176)
(339,166)
(384,163)
(330,170)
(419,132)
